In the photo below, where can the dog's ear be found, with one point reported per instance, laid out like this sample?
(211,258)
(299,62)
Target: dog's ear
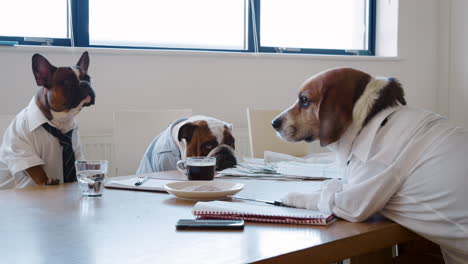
(186,131)
(337,103)
(42,70)
(83,63)
(335,115)
(229,126)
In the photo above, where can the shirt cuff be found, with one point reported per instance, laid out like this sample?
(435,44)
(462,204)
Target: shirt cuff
(23,164)
(326,202)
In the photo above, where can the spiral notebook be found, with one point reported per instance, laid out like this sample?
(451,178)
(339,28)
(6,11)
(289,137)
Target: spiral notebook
(260,213)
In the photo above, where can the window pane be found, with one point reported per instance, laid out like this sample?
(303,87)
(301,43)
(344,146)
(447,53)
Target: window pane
(211,24)
(34,18)
(315,24)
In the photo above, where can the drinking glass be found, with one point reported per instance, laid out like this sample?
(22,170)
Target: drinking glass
(91,175)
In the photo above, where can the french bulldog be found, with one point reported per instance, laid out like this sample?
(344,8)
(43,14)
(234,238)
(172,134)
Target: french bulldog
(45,132)
(65,90)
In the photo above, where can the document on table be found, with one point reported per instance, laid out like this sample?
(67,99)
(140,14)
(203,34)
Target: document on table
(284,167)
(129,183)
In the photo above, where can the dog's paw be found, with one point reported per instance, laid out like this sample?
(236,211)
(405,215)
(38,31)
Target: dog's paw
(52,181)
(302,200)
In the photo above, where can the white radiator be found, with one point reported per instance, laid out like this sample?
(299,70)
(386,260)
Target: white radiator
(100,147)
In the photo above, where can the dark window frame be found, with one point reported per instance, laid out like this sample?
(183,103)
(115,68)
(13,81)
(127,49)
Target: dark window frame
(80,34)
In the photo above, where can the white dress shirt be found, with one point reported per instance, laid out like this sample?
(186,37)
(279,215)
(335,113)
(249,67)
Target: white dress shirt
(412,166)
(27,144)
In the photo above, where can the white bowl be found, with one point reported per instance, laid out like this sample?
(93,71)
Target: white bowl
(203,190)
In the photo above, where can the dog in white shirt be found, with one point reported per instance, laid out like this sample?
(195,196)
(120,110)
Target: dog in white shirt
(44,134)
(409,164)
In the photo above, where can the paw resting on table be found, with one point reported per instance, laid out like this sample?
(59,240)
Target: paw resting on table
(52,181)
(321,200)
(302,200)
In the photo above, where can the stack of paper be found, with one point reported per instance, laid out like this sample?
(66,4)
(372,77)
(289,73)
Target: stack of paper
(308,170)
(245,169)
(285,167)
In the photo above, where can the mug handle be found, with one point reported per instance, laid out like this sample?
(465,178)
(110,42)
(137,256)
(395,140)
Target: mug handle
(184,169)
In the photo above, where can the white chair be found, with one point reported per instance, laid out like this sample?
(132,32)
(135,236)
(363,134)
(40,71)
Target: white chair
(263,137)
(5,121)
(134,131)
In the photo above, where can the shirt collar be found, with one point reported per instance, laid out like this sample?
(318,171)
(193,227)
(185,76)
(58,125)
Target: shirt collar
(358,141)
(363,143)
(176,145)
(36,118)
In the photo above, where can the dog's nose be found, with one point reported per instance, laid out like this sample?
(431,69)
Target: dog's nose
(87,90)
(276,123)
(225,159)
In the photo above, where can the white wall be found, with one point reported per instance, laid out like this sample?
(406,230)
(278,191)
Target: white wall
(223,85)
(458,74)
(443,57)
(453,60)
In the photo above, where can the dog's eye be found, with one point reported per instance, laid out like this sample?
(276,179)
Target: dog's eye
(303,102)
(208,146)
(69,83)
(229,143)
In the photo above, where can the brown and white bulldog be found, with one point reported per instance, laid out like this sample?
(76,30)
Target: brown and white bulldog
(45,132)
(64,90)
(190,137)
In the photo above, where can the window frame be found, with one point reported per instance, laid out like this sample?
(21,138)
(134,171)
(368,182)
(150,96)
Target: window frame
(370,51)
(79,36)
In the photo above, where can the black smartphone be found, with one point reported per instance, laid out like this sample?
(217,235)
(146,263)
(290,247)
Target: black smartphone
(209,224)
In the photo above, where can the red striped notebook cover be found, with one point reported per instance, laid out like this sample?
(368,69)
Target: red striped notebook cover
(260,213)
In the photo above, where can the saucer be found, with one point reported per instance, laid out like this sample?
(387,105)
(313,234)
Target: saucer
(203,190)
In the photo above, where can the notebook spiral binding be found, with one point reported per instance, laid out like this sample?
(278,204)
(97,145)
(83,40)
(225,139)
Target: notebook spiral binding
(314,220)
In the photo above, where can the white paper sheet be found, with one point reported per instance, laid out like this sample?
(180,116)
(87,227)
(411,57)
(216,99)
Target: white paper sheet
(149,185)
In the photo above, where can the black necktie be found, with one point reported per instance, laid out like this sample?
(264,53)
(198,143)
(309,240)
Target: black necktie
(68,155)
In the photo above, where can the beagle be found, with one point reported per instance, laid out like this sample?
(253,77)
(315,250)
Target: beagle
(325,105)
(409,164)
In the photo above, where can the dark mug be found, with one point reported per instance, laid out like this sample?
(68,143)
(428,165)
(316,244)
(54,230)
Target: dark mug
(198,168)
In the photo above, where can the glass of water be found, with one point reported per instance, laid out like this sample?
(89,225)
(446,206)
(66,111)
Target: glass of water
(90,175)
